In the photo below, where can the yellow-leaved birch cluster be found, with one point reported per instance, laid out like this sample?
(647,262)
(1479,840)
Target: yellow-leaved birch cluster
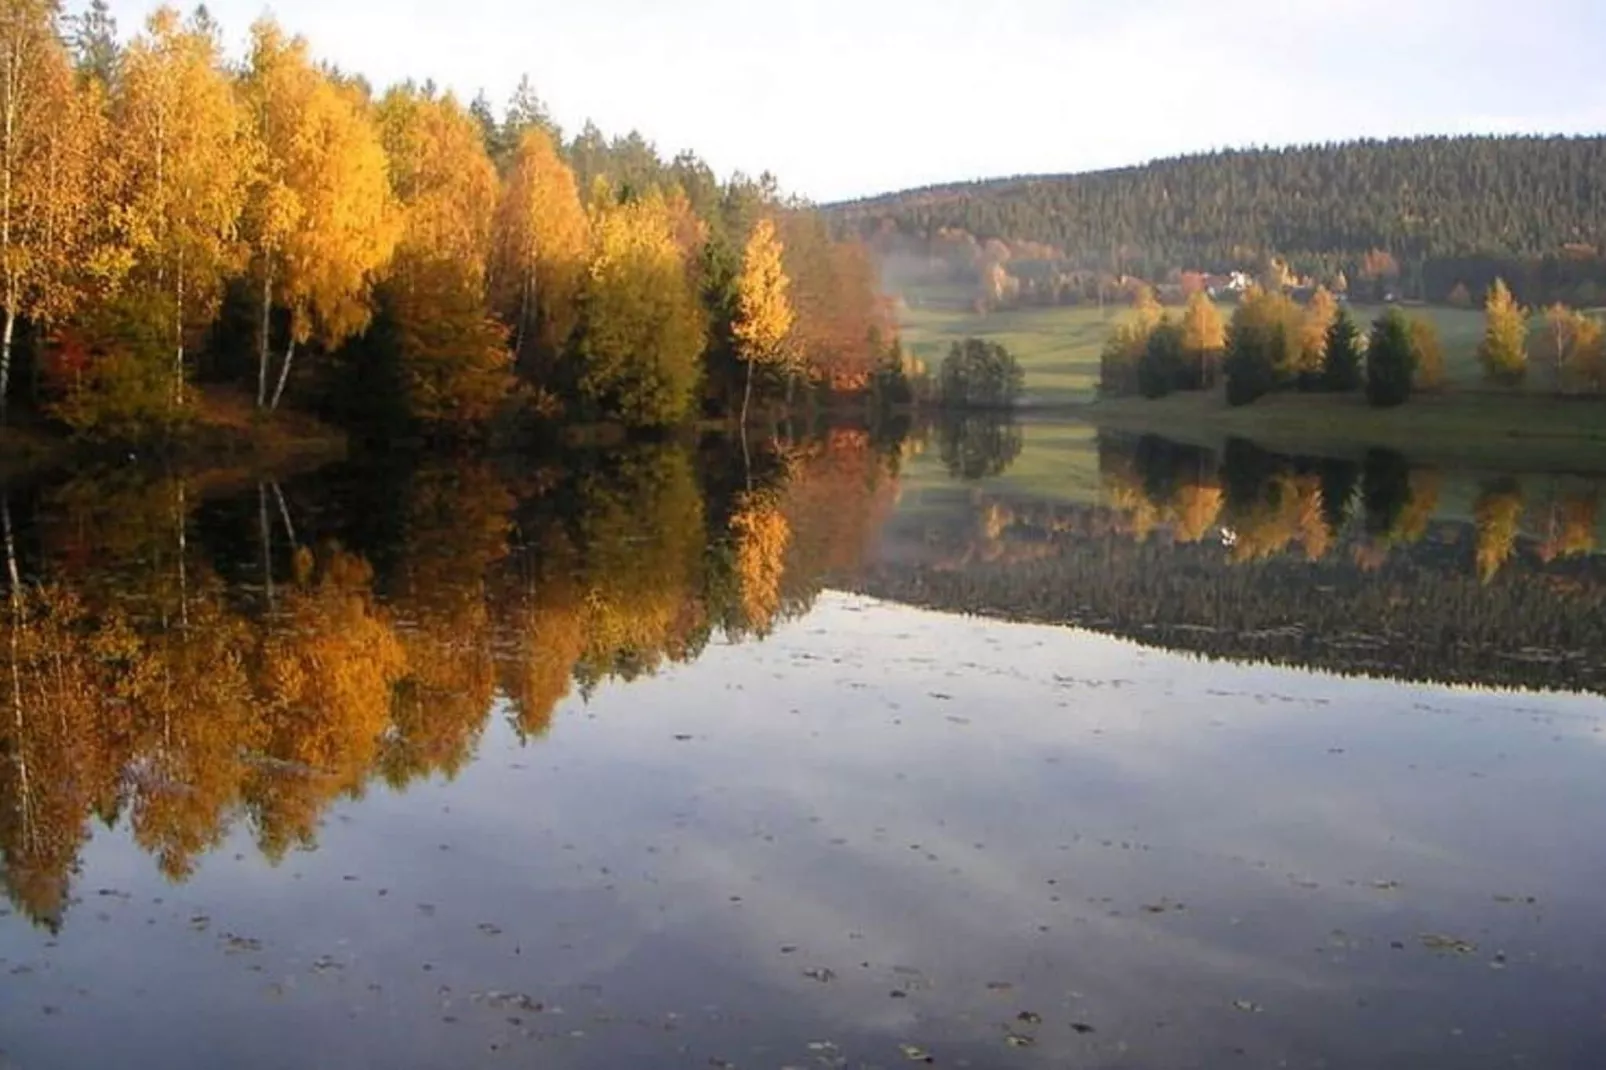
(155,199)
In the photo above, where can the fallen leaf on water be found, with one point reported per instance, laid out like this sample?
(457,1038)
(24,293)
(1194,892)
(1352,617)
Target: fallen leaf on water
(1441,942)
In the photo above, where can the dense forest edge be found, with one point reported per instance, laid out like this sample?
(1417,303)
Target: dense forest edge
(192,248)
(1413,217)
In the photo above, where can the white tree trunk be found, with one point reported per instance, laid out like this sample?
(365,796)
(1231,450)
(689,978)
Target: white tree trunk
(267,323)
(284,374)
(5,358)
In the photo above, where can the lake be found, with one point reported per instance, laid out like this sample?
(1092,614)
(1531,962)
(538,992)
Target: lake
(854,750)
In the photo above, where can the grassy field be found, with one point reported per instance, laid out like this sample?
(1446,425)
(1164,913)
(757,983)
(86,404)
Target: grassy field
(1059,347)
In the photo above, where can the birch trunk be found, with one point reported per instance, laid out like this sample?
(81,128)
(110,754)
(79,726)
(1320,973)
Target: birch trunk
(267,323)
(284,374)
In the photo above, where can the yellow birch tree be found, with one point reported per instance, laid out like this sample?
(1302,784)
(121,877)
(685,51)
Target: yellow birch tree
(538,257)
(184,156)
(43,168)
(324,222)
(764,317)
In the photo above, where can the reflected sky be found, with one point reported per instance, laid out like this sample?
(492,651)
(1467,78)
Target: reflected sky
(881,834)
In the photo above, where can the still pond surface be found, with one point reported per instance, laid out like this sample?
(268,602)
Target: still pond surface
(858,752)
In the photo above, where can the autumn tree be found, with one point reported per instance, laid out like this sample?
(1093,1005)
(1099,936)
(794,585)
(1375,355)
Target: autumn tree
(44,159)
(1427,355)
(184,147)
(323,219)
(643,329)
(1261,346)
(1504,351)
(1204,337)
(538,258)
(1571,340)
(450,354)
(842,321)
(1314,323)
(764,317)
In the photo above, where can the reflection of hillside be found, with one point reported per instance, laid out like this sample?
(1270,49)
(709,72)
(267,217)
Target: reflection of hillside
(1328,564)
(187,664)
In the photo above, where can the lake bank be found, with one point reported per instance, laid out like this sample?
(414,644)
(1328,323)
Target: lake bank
(1491,430)
(225,434)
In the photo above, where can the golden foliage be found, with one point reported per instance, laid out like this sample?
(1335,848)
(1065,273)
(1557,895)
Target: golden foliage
(1497,515)
(1314,324)
(764,316)
(642,343)
(538,256)
(1572,526)
(1428,351)
(325,221)
(442,178)
(762,536)
(184,163)
(324,676)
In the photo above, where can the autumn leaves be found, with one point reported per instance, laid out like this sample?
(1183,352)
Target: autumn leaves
(157,192)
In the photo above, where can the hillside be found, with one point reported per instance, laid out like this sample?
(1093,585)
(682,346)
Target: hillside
(1451,207)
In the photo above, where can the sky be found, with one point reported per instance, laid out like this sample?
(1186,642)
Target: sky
(847,98)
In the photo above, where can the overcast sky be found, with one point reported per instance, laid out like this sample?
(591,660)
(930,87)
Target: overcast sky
(848,97)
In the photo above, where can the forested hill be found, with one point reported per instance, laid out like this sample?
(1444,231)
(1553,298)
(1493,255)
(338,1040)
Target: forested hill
(1420,199)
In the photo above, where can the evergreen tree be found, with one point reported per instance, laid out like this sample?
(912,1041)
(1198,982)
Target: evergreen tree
(1253,349)
(1341,371)
(94,44)
(1162,367)
(1390,362)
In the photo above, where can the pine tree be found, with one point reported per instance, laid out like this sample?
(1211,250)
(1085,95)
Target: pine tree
(1341,371)
(1389,361)
(94,44)
(1162,368)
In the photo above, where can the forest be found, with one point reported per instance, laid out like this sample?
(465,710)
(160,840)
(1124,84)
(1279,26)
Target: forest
(1349,566)
(203,653)
(181,233)
(1419,216)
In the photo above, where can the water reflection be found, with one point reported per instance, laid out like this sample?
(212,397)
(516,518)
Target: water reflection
(193,656)
(480,761)
(1365,564)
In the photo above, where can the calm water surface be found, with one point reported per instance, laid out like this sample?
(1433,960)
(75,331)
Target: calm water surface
(623,764)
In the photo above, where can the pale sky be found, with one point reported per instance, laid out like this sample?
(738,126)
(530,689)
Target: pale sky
(843,98)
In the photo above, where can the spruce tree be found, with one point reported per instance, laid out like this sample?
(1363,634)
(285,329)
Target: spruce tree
(1390,361)
(1341,372)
